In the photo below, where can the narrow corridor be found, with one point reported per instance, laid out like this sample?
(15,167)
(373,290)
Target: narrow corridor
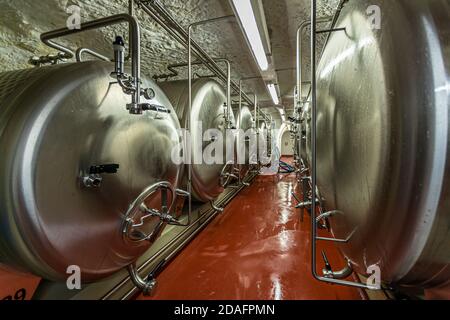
(256,249)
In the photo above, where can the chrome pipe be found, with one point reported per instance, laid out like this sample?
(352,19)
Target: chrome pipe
(216,208)
(295,92)
(255,98)
(264,115)
(131,13)
(188,123)
(313,140)
(227,62)
(81,51)
(146,286)
(299,53)
(304,204)
(333,239)
(299,69)
(340,274)
(188,129)
(334,20)
(174,73)
(164,18)
(135,45)
(240,126)
(255,101)
(228,82)
(327,214)
(346,240)
(131,7)
(330,276)
(170,21)
(163,24)
(255,105)
(331,30)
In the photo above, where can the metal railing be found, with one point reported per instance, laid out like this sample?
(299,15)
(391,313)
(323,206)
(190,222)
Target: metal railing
(159,13)
(329,276)
(47,38)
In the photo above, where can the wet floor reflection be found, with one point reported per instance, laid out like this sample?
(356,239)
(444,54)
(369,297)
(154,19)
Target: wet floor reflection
(256,249)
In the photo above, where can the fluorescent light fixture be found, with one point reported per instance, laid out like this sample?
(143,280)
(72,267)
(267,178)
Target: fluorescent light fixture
(247,18)
(273,94)
(282,114)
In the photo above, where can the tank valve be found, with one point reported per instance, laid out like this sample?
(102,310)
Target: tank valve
(49,59)
(340,274)
(130,84)
(92,181)
(94,178)
(148,93)
(154,107)
(119,57)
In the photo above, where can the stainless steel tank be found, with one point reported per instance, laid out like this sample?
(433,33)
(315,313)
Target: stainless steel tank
(208,109)
(245,119)
(58,124)
(296,136)
(264,142)
(383,138)
(305,128)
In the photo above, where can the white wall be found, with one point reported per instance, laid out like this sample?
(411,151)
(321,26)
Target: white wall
(287,144)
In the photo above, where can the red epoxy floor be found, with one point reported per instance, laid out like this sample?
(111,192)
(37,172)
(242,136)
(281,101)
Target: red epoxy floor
(256,249)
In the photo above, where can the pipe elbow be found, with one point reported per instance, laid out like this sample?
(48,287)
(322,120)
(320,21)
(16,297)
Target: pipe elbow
(340,274)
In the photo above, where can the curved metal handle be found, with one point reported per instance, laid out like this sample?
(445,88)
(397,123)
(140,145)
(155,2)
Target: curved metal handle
(146,286)
(227,175)
(81,51)
(340,274)
(135,33)
(138,205)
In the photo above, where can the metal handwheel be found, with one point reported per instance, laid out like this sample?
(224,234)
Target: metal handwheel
(227,174)
(132,234)
(130,230)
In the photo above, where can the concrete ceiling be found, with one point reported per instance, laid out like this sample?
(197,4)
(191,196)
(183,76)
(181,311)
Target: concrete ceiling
(21,23)
(283,18)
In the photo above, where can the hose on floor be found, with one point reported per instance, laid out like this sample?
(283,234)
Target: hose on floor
(285,168)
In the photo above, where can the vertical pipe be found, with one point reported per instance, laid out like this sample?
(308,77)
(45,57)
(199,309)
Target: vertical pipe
(157,11)
(255,102)
(131,13)
(294,125)
(313,42)
(295,98)
(298,96)
(228,89)
(299,53)
(188,124)
(240,127)
(255,108)
(131,7)
(299,71)
(313,138)
(135,46)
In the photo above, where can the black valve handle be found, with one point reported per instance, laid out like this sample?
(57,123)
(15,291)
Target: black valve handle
(104,168)
(154,107)
(326,262)
(119,41)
